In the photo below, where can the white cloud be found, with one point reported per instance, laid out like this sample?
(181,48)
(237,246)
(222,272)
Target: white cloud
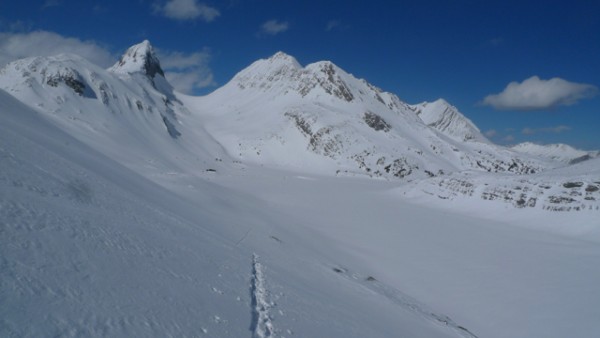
(491,133)
(552,130)
(188,82)
(273,27)
(187,71)
(188,10)
(179,60)
(536,94)
(15,46)
(528,131)
(508,138)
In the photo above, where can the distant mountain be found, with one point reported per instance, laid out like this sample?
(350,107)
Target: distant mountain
(556,152)
(446,118)
(322,119)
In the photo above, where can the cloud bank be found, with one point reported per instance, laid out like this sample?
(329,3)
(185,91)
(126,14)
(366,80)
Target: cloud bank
(15,46)
(537,94)
(188,10)
(273,27)
(552,130)
(187,71)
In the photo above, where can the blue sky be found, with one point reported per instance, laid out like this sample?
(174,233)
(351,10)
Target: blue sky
(521,70)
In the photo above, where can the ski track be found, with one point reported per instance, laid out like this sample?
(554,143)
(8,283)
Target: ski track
(403,300)
(262,325)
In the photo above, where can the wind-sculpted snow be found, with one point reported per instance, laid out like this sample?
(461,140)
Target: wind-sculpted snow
(402,300)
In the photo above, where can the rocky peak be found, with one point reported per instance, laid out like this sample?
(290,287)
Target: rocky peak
(283,58)
(139,58)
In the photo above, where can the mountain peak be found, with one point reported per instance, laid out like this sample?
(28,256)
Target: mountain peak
(139,58)
(441,101)
(446,118)
(282,57)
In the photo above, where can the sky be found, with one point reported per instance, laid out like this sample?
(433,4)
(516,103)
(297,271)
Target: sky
(520,70)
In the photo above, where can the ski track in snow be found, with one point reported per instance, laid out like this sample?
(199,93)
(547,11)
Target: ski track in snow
(403,300)
(262,325)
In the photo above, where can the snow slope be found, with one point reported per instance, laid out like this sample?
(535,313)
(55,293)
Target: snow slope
(220,216)
(557,152)
(128,112)
(89,247)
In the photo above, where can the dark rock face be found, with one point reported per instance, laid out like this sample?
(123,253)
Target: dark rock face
(144,55)
(376,122)
(173,132)
(573,184)
(567,196)
(70,78)
(334,85)
(580,159)
(152,65)
(323,141)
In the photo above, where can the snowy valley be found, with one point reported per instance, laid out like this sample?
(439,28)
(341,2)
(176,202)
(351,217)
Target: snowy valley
(292,201)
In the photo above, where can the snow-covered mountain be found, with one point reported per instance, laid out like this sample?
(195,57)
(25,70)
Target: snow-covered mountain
(322,119)
(129,112)
(128,209)
(446,118)
(556,152)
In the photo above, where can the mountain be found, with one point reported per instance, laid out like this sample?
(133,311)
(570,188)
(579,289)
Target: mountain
(447,119)
(140,58)
(130,104)
(321,119)
(556,152)
(128,209)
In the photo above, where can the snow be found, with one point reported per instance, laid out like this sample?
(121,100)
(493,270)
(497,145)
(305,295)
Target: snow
(111,226)
(447,119)
(557,152)
(139,58)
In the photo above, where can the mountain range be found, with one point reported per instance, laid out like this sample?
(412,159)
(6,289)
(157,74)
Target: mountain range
(292,201)
(316,119)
